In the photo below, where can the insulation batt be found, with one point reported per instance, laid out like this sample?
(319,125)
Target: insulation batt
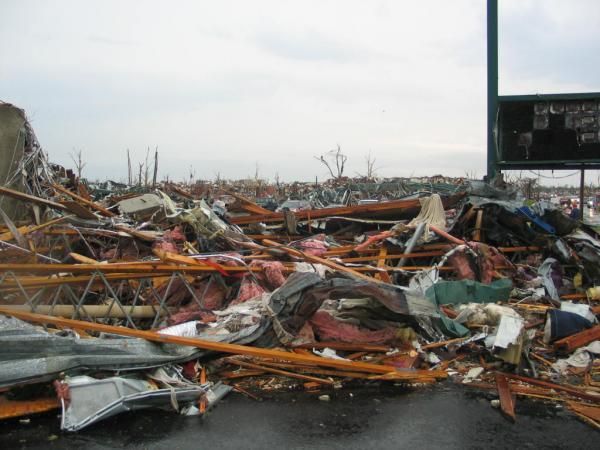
(327,328)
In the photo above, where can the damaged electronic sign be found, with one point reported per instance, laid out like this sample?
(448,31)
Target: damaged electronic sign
(548,131)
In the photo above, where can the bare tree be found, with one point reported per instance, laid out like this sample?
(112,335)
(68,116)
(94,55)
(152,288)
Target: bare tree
(257,181)
(140,174)
(129,173)
(471,174)
(192,175)
(370,162)
(334,159)
(77,158)
(155,167)
(147,168)
(530,187)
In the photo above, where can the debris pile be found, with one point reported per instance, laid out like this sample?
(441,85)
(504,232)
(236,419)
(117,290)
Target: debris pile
(163,297)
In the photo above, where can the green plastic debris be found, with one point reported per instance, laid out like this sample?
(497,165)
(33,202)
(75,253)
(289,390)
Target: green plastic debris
(451,327)
(465,291)
(469,291)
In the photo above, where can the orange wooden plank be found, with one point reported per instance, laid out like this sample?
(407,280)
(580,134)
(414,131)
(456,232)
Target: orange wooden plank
(223,347)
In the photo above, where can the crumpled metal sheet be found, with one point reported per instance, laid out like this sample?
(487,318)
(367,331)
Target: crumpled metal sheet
(28,353)
(91,400)
(508,331)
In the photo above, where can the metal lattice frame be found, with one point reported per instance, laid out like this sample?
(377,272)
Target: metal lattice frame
(114,290)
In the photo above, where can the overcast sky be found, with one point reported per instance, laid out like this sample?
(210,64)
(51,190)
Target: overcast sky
(225,85)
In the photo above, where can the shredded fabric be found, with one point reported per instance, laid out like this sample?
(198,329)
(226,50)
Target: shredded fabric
(432,213)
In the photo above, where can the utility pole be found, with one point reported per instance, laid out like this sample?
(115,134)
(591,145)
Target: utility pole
(492,85)
(581,193)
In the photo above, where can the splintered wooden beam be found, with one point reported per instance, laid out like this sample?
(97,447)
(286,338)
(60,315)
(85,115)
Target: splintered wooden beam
(346,347)
(247,204)
(392,256)
(221,347)
(7,236)
(383,276)
(135,267)
(30,198)
(573,342)
(319,371)
(581,393)
(97,207)
(19,408)
(318,260)
(591,412)
(277,371)
(172,187)
(397,207)
(507,399)
(143,235)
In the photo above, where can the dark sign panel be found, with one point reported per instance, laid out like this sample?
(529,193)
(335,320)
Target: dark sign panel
(549,131)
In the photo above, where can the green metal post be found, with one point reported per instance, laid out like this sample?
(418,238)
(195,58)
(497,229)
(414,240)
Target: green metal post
(492,84)
(581,194)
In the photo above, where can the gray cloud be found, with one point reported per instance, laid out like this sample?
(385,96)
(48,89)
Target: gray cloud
(310,45)
(223,85)
(551,40)
(98,39)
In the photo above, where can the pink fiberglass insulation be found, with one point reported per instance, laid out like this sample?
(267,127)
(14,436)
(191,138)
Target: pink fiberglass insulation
(270,279)
(168,241)
(467,266)
(327,328)
(315,247)
(191,312)
(272,273)
(248,289)
(212,297)
(165,246)
(175,234)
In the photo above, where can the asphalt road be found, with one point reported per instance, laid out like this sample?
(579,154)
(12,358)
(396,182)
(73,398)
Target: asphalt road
(441,417)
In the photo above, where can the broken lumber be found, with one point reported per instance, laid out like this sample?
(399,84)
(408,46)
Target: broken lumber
(573,342)
(383,276)
(247,204)
(78,209)
(319,371)
(396,209)
(7,236)
(144,236)
(346,347)
(507,399)
(30,198)
(276,371)
(150,268)
(235,349)
(18,408)
(580,393)
(95,206)
(591,412)
(315,259)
